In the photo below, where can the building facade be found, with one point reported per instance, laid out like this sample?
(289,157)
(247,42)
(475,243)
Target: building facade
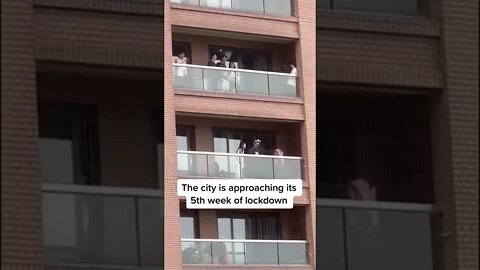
(211,111)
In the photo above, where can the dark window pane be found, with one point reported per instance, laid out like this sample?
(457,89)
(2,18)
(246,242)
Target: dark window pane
(89,229)
(185,138)
(374,147)
(56,161)
(188,224)
(68,143)
(330,239)
(324,4)
(379,240)
(151,231)
(237,225)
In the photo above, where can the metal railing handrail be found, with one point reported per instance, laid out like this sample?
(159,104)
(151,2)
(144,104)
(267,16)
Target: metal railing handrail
(245,241)
(236,70)
(237,155)
(102,190)
(223,8)
(376,205)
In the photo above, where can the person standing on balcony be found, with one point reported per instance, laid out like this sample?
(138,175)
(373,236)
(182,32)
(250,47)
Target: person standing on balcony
(240,163)
(292,81)
(231,77)
(362,189)
(223,62)
(213,60)
(257,148)
(209,82)
(181,70)
(223,82)
(279,164)
(252,168)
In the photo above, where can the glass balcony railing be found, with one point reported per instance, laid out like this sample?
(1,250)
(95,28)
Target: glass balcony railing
(236,166)
(243,252)
(102,225)
(281,8)
(373,235)
(195,77)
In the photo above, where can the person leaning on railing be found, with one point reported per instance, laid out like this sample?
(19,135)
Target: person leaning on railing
(292,81)
(362,189)
(240,164)
(252,166)
(279,167)
(181,70)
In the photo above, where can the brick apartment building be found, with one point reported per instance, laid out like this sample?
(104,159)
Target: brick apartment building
(397,106)
(210,111)
(82,100)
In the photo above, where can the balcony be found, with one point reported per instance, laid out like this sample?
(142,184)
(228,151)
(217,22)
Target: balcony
(102,225)
(244,252)
(353,234)
(237,166)
(281,8)
(205,78)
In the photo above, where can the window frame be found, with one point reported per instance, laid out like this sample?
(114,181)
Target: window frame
(84,134)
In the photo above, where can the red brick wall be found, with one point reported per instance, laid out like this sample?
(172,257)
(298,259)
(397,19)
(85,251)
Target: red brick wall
(172,246)
(81,36)
(460,48)
(224,20)
(21,195)
(238,105)
(306,64)
(378,49)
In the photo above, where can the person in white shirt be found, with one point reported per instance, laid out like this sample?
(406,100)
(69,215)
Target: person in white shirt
(240,163)
(181,71)
(293,79)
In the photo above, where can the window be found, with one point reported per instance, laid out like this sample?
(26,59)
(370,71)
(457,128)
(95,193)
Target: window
(357,239)
(245,59)
(159,141)
(227,140)
(185,138)
(192,252)
(179,47)
(68,143)
(185,142)
(374,147)
(188,224)
(243,225)
(401,7)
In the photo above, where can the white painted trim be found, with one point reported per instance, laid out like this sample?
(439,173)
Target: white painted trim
(235,69)
(246,241)
(237,155)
